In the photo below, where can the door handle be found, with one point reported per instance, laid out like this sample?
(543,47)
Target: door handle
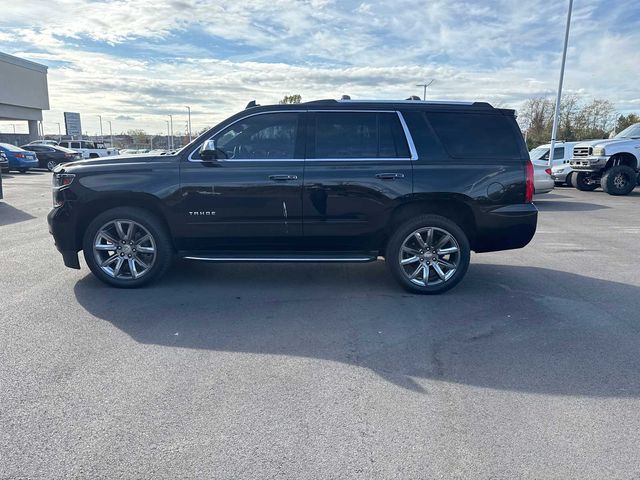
(282,178)
(389,176)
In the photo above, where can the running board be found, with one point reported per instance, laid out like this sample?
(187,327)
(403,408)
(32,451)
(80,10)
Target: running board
(305,257)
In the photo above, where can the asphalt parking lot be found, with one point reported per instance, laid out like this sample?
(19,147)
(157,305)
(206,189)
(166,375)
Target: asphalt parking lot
(530,368)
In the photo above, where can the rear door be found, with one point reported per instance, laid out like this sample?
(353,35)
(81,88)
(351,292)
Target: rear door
(358,168)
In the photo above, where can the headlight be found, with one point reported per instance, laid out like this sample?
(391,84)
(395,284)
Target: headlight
(598,151)
(60,182)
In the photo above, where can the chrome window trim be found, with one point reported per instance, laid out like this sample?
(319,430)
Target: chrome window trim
(405,129)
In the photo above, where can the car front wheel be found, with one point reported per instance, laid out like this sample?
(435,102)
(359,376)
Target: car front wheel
(583,181)
(428,254)
(127,247)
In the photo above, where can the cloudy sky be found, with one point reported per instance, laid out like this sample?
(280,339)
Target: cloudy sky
(136,61)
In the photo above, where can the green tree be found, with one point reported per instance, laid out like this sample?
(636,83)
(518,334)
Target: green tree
(625,121)
(291,99)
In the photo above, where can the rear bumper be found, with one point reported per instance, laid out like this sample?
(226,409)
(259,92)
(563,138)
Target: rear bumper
(505,228)
(23,163)
(62,225)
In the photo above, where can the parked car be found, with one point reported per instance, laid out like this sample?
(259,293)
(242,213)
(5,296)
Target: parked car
(323,181)
(89,149)
(4,162)
(542,180)
(51,155)
(19,159)
(561,169)
(613,163)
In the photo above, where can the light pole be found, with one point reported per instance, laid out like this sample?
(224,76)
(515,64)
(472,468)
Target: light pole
(556,116)
(14,128)
(425,85)
(101,135)
(171,120)
(110,133)
(189,127)
(168,144)
(59,132)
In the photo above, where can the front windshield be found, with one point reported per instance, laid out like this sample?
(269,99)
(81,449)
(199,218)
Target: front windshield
(630,132)
(538,153)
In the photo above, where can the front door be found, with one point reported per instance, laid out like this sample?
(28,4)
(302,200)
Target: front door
(359,166)
(251,196)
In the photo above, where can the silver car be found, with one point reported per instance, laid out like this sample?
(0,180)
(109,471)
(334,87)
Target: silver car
(561,170)
(542,180)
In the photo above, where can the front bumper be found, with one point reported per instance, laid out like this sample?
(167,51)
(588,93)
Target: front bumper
(588,164)
(62,225)
(505,228)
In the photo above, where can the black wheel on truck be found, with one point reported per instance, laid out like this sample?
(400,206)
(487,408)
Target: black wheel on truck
(619,180)
(580,180)
(428,254)
(127,247)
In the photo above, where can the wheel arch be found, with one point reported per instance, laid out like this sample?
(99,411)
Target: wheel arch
(455,208)
(107,202)
(623,158)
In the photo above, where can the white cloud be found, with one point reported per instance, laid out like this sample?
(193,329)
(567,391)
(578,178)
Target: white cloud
(501,51)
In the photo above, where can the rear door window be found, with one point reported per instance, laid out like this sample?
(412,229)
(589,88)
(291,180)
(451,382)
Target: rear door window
(358,135)
(474,135)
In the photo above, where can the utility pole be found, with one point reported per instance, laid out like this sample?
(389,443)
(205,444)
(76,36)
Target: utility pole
(189,127)
(110,133)
(59,132)
(424,86)
(101,135)
(168,144)
(556,116)
(171,120)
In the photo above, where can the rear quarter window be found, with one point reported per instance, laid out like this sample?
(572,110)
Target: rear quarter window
(476,135)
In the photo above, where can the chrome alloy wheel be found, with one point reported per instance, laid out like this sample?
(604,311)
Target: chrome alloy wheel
(429,256)
(124,249)
(620,181)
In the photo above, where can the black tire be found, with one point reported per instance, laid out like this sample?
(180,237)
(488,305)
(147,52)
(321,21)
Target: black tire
(94,155)
(559,184)
(619,180)
(51,164)
(23,170)
(403,233)
(579,181)
(160,236)
(568,180)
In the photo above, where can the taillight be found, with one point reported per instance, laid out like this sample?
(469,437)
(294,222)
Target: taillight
(19,155)
(547,171)
(529,189)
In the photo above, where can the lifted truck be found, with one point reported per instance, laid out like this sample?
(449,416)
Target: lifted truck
(612,163)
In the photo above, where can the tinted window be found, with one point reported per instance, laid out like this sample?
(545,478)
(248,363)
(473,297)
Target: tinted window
(266,136)
(73,145)
(472,135)
(359,135)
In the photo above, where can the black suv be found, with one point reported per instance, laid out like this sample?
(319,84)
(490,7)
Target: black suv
(418,183)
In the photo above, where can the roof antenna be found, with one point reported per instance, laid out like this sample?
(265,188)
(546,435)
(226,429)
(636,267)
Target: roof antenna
(251,104)
(345,97)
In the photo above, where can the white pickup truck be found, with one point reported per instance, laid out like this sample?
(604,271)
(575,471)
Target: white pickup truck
(613,163)
(89,149)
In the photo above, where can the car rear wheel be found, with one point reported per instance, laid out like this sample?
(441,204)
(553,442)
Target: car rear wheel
(428,254)
(51,164)
(23,170)
(582,181)
(127,247)
(619,180)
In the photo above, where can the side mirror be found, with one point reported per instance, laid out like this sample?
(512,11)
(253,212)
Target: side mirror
(208,150)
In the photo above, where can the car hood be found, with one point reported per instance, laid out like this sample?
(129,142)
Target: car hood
(606,141)
(114,160)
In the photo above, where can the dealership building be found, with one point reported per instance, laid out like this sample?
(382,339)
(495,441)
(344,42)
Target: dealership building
(24,92)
